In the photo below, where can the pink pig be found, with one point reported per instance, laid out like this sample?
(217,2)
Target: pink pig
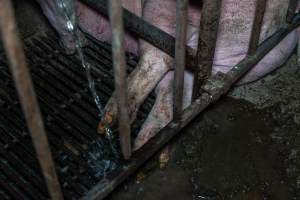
(154,69)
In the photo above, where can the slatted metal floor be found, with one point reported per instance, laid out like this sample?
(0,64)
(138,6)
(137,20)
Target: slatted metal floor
(70,117)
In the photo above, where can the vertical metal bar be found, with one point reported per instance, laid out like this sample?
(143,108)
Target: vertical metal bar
(145,30)
(27,96)
(116,21)
(257,24)
(208,32)
(291,10)
(180,49)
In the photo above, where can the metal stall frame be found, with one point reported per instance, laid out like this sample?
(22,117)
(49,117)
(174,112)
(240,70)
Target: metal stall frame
(207,89)
(24,85)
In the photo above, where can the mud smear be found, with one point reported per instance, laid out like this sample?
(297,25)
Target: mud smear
(233,151)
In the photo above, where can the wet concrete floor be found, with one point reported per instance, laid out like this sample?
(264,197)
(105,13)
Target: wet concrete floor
(233,151)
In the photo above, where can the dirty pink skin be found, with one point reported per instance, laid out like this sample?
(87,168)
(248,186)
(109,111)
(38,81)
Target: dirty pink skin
(89,21)
(154,67)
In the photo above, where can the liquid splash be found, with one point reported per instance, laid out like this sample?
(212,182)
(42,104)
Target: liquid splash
(67,9)
(100,161)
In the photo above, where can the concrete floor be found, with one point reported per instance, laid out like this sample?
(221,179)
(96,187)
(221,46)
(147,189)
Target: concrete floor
(247,146)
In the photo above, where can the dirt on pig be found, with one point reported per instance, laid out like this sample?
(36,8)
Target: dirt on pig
(236,150)
(227,153)
(246,146)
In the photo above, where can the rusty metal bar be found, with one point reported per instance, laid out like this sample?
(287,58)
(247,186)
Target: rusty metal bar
(179,65)
(206,44)
(115,15)
(257,24)
(291,10)
(216,86)
(298,50)
(27,96)
(145,31)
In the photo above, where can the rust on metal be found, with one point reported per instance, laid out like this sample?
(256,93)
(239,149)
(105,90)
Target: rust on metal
(145,31)
(257,24)
(116,21)
(206,44)
(24,85)
(179,65)
(291,10)
(215,86)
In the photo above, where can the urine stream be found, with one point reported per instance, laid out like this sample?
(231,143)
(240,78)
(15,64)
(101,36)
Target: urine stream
(67,9)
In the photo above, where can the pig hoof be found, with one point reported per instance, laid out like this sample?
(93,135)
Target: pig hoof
(164,157)
(105,122)
(152,67)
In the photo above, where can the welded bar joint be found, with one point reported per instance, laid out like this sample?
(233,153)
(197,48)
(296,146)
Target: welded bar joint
(215,91)
(116,21)
(181,29)
(257,24)
(24,85)
(145,31)
(208,33)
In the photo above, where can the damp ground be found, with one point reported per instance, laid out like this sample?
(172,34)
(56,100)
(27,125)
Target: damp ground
(246,146)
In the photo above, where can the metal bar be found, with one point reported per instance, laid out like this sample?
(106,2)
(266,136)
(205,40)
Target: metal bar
(115,16)
(216,86)
(298,50)
(145,30)
(27,96)
(206,44)
(291,10)
(181,29)
(257,24)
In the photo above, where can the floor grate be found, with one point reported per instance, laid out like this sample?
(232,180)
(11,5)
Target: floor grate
(70,117)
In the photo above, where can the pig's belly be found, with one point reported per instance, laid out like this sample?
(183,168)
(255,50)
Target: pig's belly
(224,60)
(234,36)
(96,25)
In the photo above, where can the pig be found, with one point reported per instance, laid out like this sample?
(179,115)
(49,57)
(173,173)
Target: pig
(87,20)
(154,69)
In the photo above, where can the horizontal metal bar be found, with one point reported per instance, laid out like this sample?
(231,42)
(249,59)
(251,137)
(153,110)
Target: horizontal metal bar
(216,86)
(145,30)
(208,34)
(27,96)
(179,65)
(115,15)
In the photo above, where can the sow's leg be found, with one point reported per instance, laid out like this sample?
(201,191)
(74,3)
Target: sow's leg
(153,64)
(162,111)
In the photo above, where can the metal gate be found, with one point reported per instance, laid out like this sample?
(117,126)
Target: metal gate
(207,88)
